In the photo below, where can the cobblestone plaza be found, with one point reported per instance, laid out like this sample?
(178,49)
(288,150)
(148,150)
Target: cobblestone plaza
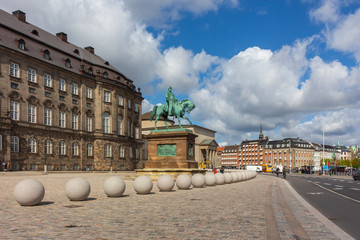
(260,208)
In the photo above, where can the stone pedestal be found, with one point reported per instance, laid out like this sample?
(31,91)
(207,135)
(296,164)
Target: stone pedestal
(171,149)
(170,152)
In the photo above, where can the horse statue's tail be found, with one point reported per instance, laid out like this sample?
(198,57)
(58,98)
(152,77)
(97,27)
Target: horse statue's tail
(153,113)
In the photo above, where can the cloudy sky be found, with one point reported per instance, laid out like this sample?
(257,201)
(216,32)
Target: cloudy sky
(290,65)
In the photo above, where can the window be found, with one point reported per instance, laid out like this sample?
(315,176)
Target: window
(32,90)
(137,107)
(89,150)
(129,127)
(47,94)
(62,85)
(47,80)
(88,93)
(90,71)
(32,114)
(75,149)
(0,142)
(21,44)
(120,100)
(75,89)
(32,75)
(75,121)
(129,103)
(62,98)
(130,152)
(14,85)
(137,136)
(14,110)
(62,119)
(74,101)
(106,123)
(106,75)
(89,124)
(119,124)
(68,63)
(47,54)
(48,146)
(14,144)
(122,151)
(14,70)
(47,116)
(32,145)
(106,96)
(137,154)
(62,148)
(108,150)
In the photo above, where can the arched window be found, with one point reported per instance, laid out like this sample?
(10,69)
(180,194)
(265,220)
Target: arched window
(90,71)
(32,146)
(47,54)
(89,150)
(106,75)
(122,151)
(21,44)
(35,32)
(48,146)
(14,144)
(119,125)
(108,150)
(62,148)
(68,63)
(75,149)
(106,123)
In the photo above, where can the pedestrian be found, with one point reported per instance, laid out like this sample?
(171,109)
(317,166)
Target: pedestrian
(277,171)
(222,170)
(284,172)
(215,171)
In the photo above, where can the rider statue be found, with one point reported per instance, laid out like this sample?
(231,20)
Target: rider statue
(170,101)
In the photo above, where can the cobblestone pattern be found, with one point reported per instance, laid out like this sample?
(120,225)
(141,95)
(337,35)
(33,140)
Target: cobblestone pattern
(232,211)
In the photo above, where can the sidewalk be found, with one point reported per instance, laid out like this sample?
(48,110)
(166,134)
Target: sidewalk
(261,208)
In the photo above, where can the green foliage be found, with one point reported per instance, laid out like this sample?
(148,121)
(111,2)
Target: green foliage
(344,163)
(356,163)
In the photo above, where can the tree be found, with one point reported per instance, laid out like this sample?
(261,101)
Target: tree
(356,163)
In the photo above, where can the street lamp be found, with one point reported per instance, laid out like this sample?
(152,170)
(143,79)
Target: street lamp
(323,153)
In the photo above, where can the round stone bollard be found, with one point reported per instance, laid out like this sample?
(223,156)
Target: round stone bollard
(210,179)
(143,185)
(235,177)
(77,189)
(165,183)
(240,176)
(183,181)
(198,180)
(29,192)
(220,178)
(228,178)
(114,186)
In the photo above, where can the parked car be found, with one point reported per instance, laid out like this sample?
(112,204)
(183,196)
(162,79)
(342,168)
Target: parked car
(356,175)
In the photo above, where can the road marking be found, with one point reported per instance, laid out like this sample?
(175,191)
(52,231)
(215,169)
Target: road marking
(338,188)
(336,193)
(327,184)
(356,189)
(315,193)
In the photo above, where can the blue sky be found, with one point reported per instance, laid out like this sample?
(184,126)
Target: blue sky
(290,65)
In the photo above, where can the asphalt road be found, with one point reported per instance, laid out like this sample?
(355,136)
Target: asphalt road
(338,199)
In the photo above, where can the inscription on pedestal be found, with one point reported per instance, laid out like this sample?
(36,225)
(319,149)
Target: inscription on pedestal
(166,150)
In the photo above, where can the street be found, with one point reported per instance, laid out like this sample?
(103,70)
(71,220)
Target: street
(337,198)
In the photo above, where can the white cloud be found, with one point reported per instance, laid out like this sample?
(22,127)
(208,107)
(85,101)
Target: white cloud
(146,106)
(328,12)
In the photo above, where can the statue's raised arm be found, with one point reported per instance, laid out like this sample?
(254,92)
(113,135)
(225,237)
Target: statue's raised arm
(173,107)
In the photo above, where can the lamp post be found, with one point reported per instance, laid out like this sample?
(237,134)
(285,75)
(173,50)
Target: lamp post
(323,153)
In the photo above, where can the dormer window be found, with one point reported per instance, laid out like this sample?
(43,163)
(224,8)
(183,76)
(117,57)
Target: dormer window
(107,63)
(76,51)
(90,71)
(35,32)
(47,54)
(106,75)
(21,44)
(118,78)
(68,63)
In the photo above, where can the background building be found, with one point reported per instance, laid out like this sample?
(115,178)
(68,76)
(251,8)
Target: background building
(230,156)
(63,106)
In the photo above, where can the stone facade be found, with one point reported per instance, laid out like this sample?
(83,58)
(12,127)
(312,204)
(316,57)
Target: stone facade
(63,106)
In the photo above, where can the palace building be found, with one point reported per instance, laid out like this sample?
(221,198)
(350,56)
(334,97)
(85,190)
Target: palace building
(62,106)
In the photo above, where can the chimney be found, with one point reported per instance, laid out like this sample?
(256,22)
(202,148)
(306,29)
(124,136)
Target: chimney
(20,15)
(90,49)
(62,36)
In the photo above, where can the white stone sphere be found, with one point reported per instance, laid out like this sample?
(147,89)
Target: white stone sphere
(114,186)
(234,177)
(183,181)
(29,192)
(228,178)
(77,189)
(210,179)
(220,178)
(240,176)
(143,184)
(198,180)
(165,183)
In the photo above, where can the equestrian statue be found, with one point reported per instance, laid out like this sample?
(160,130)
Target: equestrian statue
(173,107)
